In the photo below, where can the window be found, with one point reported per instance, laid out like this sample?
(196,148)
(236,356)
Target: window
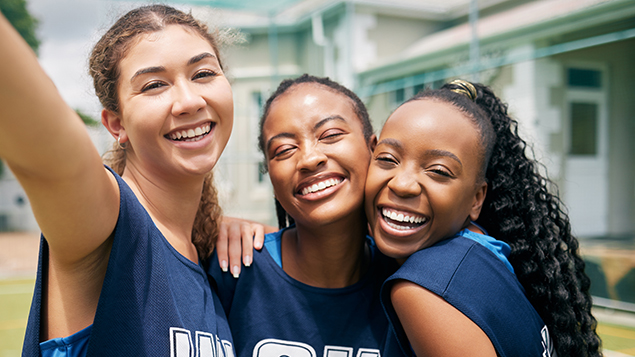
(585,78)
(400,96)
(584,128)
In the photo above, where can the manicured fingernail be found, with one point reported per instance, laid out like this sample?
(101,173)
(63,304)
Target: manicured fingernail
(236,271)
(247,260)
(223,266)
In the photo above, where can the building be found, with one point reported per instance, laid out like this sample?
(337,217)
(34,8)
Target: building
(564,66)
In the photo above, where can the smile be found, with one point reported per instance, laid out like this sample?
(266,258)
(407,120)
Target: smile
(402,220)
(195,134)
(319,186)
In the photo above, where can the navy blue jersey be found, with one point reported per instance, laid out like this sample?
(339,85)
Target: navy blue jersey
(154,301)
(273,315)
(470,277)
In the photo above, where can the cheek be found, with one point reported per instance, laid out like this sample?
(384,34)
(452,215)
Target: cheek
(374,184)
(277,175)
(220,97)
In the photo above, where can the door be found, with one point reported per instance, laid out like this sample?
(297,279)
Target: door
(586,162)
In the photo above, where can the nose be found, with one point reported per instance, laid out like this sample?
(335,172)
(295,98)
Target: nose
(311,158)
(187,100)
(405,184)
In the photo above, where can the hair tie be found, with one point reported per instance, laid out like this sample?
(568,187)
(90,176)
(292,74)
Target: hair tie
(464,87)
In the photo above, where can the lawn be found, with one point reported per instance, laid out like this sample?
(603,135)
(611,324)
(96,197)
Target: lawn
(15,299)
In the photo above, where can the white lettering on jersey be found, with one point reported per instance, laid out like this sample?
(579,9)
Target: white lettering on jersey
(271,347)
(180,343)
(207,344)
(547,345)
(338,351)
(368,352)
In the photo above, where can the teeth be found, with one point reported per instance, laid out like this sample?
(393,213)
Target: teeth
(190,134)
(400,217)
(320,186)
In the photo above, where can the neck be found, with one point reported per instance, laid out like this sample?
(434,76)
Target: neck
(171,203)
(331,256)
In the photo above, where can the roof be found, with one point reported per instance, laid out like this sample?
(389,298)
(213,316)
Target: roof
(247,14)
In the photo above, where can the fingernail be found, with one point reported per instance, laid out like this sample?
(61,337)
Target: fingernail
(223,266)
(235,271)
(247,260)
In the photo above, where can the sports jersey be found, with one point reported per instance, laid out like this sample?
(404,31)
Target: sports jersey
(153,302)
(468,274)
(272,314)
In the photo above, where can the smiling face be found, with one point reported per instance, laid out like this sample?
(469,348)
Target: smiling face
(176,107)
(316,155)
(423,182)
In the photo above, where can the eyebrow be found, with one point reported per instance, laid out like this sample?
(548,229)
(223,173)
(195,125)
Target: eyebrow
(315,127)
(199,58)
(391,142)
(158,69)
(327,119)
(444,153)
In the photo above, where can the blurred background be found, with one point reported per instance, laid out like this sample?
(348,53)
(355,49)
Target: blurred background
(566,68)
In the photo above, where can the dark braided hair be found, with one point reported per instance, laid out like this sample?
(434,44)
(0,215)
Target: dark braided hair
(520,210)
(359,108)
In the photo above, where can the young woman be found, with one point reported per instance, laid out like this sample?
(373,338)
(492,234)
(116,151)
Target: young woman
(444,160)
(119,269)
(314,289)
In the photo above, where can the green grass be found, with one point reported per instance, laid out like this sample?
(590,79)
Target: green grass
(15,300)
(617,338)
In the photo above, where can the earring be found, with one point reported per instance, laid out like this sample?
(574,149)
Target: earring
(121,146)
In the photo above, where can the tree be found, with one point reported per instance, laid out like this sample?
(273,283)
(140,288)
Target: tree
(87,119)
(16,12)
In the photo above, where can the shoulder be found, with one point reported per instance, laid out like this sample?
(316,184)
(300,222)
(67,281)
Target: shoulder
(435,267)
(435,327)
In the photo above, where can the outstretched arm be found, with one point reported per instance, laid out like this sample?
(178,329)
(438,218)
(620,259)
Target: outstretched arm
(47,147)
(436,328)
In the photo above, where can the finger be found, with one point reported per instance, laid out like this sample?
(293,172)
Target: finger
(247,236)
(259,236)
(235,248)
(221,247)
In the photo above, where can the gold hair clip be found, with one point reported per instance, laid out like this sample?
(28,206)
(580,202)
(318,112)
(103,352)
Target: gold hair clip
(465,87)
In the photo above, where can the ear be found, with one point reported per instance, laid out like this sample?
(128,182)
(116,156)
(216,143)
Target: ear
(477,203)
(112,122)
(372,143)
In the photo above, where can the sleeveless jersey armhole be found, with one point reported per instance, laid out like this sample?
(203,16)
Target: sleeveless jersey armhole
(74,345)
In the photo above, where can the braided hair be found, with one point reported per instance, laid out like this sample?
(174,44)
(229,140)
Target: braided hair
(359,108)
(520,210)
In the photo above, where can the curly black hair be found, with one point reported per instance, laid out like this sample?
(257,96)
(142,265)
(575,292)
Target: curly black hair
(521,210)
(359,108)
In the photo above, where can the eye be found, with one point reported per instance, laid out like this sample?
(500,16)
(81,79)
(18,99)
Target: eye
(440,170)
(283,151)
(386,160)
(152,85)
(331,135)
(203,74)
